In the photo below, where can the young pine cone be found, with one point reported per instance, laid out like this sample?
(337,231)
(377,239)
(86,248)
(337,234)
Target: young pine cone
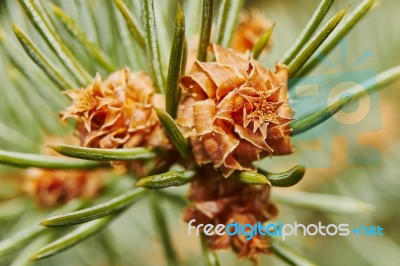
(217,200)
(234,111)
(252,25)
(52,188)
(118,112)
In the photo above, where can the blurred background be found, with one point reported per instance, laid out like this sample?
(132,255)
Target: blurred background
(358,157)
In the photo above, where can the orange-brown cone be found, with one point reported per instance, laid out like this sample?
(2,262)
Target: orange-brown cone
(252,25)
(118,112)
(234,110)
(52,188)
(217,200)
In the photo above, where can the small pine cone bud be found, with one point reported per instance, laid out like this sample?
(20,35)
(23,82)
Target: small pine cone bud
(52,188)
(234,111)
(118,112)
(217,200)
(252,25)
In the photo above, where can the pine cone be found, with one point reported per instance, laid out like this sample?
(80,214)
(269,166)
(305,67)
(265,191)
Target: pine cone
(118,113)
(252,25)
(52,188)
(217,200)
(234,111)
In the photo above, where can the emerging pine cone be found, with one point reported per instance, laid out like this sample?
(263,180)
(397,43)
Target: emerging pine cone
(252,26)
(217,200)
(118,112)
(234,111)
(52,188)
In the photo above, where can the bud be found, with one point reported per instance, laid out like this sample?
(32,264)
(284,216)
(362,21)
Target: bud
(252,25)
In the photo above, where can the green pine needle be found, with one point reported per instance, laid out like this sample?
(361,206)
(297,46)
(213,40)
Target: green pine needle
(80,35)
(253,178)
(308,31)
(210,258)
(99,154)
(19,239)
(98,211)
(131,22)
(25,253)
(205,30)
(352,20)
(34,76)
(227,20)
(42,61)
(184,57)
(173,132)
(380,81)
(73,238)
(43,24)
(177,61)
(23,160)
(162,228)
(152,44)
(287,178)
(261,43)
(310,121)
(305,54)
(168,179)
(26,235)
